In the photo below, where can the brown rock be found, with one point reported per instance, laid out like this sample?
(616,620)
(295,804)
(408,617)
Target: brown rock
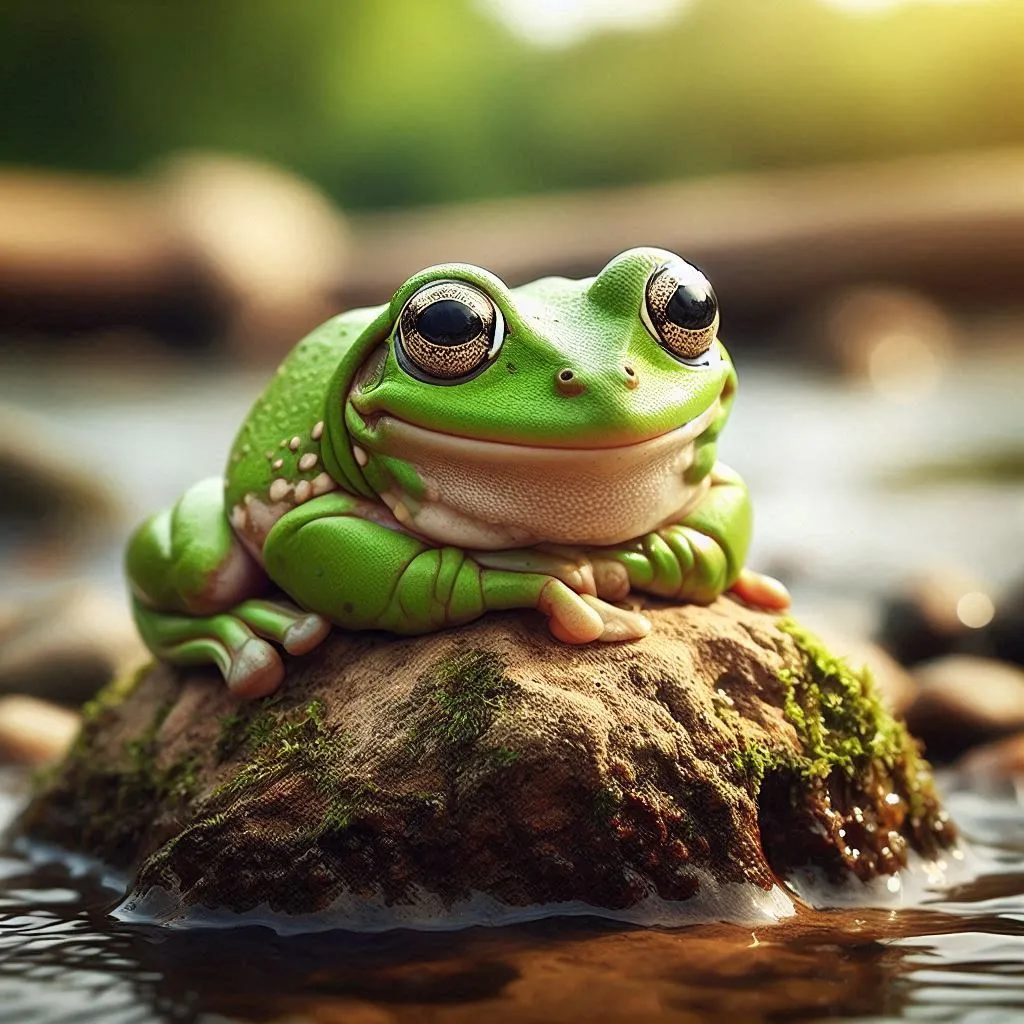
(488,773)
(995,762)
(938,613)
(66,646)
(47,497)
(34,732)
(964,700)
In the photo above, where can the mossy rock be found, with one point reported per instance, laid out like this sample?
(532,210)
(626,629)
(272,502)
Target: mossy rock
(492,774)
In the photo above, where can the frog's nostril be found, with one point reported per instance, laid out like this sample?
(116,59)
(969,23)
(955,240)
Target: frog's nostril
(631,378)
(568,383)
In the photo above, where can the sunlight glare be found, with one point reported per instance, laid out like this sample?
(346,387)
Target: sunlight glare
(564,22)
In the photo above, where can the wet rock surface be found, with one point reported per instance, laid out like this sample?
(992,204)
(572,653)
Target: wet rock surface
(489,772)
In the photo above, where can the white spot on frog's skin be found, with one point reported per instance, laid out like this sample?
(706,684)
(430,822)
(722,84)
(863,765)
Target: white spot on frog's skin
(279,490)
(317,432)
(253,520)
(269,455)
(277,464)
(303,491)
(360,456)
(294,443)
(307,462)
(323,484)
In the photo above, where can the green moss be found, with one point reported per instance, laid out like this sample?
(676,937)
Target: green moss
(464,693)
(147,782)
(114,693)
(275,743)
(840,722)
(606,803)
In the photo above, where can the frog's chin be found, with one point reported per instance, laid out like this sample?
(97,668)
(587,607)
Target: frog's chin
(492,495)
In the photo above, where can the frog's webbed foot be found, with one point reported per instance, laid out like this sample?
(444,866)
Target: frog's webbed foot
(239,642)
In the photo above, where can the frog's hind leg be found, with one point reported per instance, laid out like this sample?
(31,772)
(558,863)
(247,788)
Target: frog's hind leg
(250,666)
(196,596)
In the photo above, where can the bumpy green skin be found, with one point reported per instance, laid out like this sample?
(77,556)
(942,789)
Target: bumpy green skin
(320,498)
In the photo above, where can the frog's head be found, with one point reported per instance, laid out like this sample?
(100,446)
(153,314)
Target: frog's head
(562,411)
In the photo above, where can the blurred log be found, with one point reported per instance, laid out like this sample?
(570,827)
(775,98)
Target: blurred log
(951,226)
(210,248)
(227,250)
(83,254)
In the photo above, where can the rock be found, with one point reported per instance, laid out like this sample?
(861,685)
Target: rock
(489,774)
(34,732)
(934,615)
(1006,631)
(268,242)
(964,700)
(998,761)
(66,646)
(47,498)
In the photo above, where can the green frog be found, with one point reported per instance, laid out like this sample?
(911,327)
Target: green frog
(465,448)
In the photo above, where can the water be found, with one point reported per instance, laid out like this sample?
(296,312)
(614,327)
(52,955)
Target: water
(958,957)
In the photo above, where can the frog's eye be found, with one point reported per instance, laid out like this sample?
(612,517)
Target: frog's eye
(448,331)
(681,311)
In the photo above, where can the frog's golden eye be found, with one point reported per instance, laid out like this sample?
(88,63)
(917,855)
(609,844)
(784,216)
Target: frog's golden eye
(681,311)
(448,331)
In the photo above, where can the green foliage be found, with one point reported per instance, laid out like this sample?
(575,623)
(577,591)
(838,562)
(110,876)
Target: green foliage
(840,721)
(394,103)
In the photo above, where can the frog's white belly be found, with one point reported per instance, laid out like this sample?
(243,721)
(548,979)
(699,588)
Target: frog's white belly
(488,495)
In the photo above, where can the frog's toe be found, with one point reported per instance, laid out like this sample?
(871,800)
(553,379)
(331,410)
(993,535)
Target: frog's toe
(295,629)
(765,592)
(570,616)
(619,623)
(306,633)
(611,579)
(256,670)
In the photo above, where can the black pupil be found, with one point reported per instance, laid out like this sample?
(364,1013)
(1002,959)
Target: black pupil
(692,307)
(449,322)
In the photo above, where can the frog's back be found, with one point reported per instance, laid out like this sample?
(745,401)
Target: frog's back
(275,449)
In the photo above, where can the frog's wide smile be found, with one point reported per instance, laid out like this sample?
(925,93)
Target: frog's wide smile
(386,433)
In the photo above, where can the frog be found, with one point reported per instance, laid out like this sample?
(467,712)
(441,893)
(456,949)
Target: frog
(465,448)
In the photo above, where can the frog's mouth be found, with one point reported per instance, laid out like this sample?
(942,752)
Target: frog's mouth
(495,494)
(390,435)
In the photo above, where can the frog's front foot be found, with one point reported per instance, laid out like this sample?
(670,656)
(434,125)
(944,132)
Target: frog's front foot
(239,642)
(582,618)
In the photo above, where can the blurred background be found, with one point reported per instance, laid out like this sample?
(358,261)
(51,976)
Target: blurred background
(186,189)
